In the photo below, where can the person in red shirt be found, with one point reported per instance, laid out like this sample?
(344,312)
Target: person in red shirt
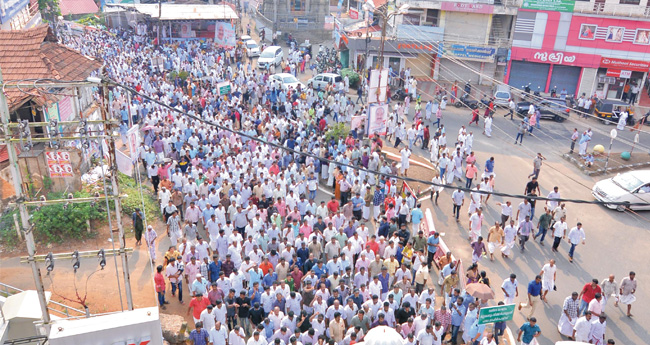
(588,293)
(159,281)
(373,245)
(198,304)
(333,205)
(474,117)
(265,266)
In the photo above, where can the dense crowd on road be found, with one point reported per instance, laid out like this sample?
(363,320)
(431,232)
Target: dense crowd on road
(276,236)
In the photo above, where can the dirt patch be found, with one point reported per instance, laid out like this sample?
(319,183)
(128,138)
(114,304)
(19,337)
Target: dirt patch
(420,168)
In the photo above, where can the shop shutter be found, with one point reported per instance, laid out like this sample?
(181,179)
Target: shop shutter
(565,77)
(522,73)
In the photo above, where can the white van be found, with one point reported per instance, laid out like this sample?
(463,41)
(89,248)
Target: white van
(270,56)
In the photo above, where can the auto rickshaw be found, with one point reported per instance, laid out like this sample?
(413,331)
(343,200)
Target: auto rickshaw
(608,111)
(305,48)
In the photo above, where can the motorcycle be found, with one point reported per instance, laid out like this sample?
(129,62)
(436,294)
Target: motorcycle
(464,100)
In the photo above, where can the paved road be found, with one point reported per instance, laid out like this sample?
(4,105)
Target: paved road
(614,240)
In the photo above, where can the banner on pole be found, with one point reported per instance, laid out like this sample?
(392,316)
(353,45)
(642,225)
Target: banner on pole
(133,137)
(377,118)
(378,85)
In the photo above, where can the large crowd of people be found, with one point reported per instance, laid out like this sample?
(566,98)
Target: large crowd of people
(276,236)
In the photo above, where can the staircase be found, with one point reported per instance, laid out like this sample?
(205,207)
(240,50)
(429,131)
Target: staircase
(497,35)
(55,308)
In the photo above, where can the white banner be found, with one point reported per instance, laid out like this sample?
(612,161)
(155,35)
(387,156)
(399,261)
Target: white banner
(357,121)
(133,137)
(377,119)
(124,164)
(377,86)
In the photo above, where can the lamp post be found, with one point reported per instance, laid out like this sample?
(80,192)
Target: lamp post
(612,136)
(385,16)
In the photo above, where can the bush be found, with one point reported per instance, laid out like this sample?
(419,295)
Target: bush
(352,76)
(8,236)
(55,223)
(337,131)
(131,188)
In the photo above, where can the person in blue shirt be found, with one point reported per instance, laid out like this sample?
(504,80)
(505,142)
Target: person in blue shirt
(319,269)
(199,336)
(384,279)
(214,268)
(489,167)
(383,227)
(432,246)
(458,311)
(255,294)
(269,278)
(416,218)
(529,330)
(534,291)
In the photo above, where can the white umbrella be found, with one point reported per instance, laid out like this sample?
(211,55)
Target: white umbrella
(383,335)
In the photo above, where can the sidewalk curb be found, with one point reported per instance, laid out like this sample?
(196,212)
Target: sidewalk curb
(584,170)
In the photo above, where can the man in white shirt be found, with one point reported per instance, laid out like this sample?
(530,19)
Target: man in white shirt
(218,334)
(510,289)
(506,212)
(576,235)
(207,317)
(582,328)
(548,274)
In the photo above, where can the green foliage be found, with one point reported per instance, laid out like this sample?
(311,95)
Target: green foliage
(50,9)
(129,186)
(8,236)
(182,74)
(91,20)
(339,130)
(47,184)
(55,223)
(352,76)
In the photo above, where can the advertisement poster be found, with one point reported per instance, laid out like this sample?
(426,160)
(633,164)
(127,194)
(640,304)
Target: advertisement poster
(224,34)
(377,119)
(186,30)
(133,137)
(353,13)
(58,164)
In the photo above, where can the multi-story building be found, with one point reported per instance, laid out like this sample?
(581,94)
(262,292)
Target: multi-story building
(596,47)
(19,14)
(444,40)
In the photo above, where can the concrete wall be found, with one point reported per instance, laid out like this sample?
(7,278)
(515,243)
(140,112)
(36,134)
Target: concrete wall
(467,27)
(588,81)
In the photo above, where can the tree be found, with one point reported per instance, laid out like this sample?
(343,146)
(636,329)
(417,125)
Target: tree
(50,10)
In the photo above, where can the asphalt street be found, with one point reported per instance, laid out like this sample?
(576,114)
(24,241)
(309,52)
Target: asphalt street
(614,242)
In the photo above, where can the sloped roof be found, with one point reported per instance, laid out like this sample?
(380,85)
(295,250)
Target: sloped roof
(34,53)
(78,7)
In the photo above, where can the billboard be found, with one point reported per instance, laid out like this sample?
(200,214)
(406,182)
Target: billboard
(549,5)
(224,34)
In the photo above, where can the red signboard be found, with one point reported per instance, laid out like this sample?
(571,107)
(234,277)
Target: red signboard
(630,65)
(555,57)
(466,7)
(617,73)
(353,13)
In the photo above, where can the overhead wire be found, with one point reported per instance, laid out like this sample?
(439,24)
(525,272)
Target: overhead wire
(349,166)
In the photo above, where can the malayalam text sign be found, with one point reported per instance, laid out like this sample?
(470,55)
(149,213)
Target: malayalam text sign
(496,314)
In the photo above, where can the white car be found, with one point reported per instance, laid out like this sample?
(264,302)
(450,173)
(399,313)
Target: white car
(270,56)
(629,188)
(321,81)
(252,48)
(287,80)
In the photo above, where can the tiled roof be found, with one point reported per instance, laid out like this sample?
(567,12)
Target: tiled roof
(78,7)
(34,53)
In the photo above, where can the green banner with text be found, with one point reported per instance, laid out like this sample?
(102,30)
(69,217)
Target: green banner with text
(496,314)
(549,5)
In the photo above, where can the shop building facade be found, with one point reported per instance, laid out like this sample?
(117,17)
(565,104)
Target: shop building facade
(593,52)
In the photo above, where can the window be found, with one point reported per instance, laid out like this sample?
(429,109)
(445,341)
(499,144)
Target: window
(629,2)
(432,17)
(411,18)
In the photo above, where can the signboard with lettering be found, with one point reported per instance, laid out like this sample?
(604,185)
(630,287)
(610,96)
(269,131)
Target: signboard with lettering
(496,314)
(224,88)
(555,57)
(470,52)
(466,7)
(353,13)
(549,5)
(630,65)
